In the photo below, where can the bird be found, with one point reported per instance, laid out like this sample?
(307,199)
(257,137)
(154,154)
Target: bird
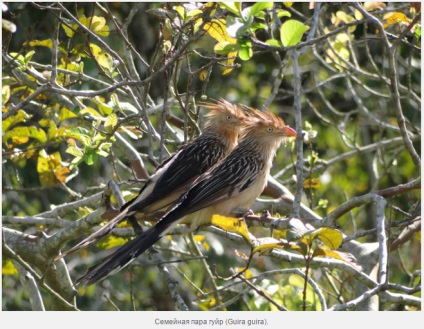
(218,138)
(232,184)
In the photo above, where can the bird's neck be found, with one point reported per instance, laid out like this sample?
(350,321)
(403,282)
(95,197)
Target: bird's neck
(227,136)
(265,147)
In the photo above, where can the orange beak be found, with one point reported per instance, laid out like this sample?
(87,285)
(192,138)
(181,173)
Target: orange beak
(289,132)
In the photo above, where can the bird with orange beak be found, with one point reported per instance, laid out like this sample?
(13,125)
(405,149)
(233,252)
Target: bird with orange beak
(232,184)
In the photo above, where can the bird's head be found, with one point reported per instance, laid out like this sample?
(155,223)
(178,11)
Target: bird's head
(226,115)
(265,123)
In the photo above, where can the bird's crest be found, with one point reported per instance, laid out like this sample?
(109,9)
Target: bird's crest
(267,118)
(222,106)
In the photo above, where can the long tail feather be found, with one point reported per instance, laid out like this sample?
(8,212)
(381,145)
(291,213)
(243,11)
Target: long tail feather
(121,257)
(134,248)
(96,235)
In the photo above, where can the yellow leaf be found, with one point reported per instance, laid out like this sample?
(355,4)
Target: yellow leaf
(199,238)
(42,43)
(91,111)
(394,18)
(341,16)
(20,116)
(50,168)
(203,75)
(218,30)
(343,256)
(212,302)
(65,114)
(111,242)
(231,224)
(247,273)
(96,24)
(8,268)
(370,6)
(358,15)
(311,183)
(206,245)
(288,4)
(267,244)
(331,238)
(5,93)
(18,135)
(104,108)
(62,174)
(231,58)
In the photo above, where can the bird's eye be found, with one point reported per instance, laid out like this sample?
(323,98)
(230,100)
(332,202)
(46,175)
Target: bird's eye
(228,117)
(269,129)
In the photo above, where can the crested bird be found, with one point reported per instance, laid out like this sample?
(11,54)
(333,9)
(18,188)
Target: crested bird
(218,138)
(233,184)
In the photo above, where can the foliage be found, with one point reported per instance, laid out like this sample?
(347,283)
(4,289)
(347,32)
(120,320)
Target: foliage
(98,91)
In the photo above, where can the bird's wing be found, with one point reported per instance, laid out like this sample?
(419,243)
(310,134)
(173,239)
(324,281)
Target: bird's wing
(227,180)
(165,185)
(191,161)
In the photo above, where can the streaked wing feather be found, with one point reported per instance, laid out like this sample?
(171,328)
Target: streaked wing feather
(226,180)
(192,161)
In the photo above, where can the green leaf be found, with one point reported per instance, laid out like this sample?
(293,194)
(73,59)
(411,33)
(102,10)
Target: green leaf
(259,6)
(104,108)
(38,134)
(75,151)
(323,203)
(81,134)
(28,56)
(90,157)
(291,32)
(234,7)
(257,26)
(111,122)
(225,47)
(75,162)
(283,13)
(181,11)
(194,12)
(245,53)
(273,42)
(102,153)
(418,31)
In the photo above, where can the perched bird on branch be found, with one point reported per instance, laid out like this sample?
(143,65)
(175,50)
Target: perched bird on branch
(219,137)
(233,184)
